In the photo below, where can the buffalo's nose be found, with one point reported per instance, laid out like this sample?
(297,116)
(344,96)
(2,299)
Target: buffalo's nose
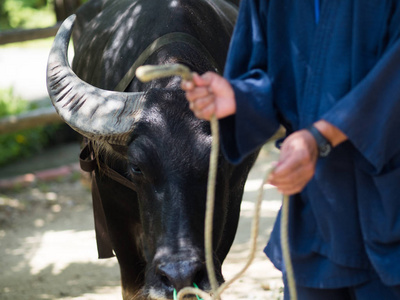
(181,274)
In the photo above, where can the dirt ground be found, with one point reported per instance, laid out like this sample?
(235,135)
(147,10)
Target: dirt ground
(48,248)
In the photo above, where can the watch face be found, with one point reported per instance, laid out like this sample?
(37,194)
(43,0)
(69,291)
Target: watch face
(324,150)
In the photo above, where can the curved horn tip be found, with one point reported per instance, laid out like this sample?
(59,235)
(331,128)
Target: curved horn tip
(67,25)
(70,19)
(93,112)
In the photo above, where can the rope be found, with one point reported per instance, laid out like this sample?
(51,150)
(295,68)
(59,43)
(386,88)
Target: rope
(147,73)
(212,177)
(253,238)
(286,249)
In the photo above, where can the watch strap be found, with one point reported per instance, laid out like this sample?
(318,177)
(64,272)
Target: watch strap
(324,146)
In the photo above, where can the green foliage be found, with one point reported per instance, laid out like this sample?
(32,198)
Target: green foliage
(10,104)
(26,14)
(3,15)
(24,143)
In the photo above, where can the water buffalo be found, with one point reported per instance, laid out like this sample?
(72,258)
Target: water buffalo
(146,133)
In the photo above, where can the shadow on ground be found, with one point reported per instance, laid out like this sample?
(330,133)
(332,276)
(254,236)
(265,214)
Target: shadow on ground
(48,249)
(49,252)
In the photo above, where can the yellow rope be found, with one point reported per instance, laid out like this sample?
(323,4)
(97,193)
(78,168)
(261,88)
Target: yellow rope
(147,73)
(208,228)
(253,238)
(286,249)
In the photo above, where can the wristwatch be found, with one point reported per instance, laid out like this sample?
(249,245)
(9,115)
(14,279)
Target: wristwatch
(324,146)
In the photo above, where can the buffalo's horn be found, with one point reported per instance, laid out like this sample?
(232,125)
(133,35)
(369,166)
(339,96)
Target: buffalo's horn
(95,113)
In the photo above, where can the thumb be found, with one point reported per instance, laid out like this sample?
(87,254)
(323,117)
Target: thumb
(203,80)
(189,85)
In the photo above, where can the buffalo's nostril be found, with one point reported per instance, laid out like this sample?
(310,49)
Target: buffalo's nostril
(181,274)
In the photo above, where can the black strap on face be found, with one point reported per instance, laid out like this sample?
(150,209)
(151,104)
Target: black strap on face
(89,163)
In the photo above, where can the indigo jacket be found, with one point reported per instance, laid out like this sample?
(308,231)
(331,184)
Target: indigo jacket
(289,68)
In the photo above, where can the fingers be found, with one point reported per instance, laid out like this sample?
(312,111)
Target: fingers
(203,108)
(201,99)
(187,85)
(197,93)
(296,165)
(291,178)
(210,94)
(201,102)
(206,112)
(197,81)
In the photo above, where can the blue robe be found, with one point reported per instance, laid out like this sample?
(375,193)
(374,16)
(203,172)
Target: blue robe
(288,69)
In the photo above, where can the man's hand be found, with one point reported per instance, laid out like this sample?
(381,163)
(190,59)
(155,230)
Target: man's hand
(209,94)
(299,154)
(296,165)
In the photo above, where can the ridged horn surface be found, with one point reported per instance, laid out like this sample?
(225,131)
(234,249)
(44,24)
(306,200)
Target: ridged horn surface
(93,112)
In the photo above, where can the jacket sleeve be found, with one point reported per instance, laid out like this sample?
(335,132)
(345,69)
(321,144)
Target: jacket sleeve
(246,69)
(370,113)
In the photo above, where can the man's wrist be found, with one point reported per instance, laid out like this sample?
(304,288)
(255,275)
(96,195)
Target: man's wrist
(333,134)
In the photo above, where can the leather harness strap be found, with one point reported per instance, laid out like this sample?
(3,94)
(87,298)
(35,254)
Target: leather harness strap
(87,158)
(163,40)
(89,163)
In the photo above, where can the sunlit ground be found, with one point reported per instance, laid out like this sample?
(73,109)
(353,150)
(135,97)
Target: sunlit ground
(51,253)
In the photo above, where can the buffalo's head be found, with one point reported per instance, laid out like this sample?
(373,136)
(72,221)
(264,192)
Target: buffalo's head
(153,139)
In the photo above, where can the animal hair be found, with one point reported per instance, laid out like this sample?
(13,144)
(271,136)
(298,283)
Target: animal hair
(108,153)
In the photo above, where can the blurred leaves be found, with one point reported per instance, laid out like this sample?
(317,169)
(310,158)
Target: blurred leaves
(24,143)
(11,104)
(26,14)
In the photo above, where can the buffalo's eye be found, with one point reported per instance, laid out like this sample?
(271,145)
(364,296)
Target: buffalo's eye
(136,170)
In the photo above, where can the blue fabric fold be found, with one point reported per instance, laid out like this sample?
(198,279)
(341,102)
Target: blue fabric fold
(285,70)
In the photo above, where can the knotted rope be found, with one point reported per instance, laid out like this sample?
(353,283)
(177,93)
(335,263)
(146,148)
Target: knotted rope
(147,73)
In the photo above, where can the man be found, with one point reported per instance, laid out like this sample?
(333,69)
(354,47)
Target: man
(329,73)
